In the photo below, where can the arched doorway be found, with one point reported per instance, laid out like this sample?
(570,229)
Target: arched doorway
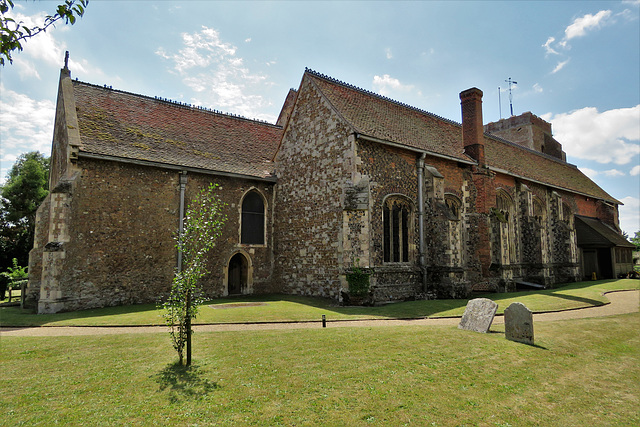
(237,274)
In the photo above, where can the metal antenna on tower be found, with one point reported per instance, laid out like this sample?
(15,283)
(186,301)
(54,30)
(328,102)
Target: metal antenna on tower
(510,95)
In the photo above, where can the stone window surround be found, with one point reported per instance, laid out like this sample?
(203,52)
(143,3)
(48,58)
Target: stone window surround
(405,247)
(266,209)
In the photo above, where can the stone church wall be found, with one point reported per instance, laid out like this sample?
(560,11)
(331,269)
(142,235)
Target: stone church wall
(314,167)
(122,226)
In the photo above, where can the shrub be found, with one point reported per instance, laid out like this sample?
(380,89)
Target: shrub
(358,282)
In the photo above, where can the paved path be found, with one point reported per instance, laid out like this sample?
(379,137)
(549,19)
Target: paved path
(621,302)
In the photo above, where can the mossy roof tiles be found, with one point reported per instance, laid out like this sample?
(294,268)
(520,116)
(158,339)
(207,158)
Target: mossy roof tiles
(527,164)
(380,117)
(377,116)
(129,126)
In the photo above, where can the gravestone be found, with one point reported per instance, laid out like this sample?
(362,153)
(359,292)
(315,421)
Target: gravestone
(518,323)
(478,315)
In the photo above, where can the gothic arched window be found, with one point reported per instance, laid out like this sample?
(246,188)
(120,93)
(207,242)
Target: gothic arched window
(252,226)
(395,218)
(539,211)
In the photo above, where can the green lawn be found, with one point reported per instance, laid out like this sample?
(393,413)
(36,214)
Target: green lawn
(281,308)
(580,372)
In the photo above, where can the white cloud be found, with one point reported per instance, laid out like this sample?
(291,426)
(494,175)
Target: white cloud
(210,67)
(613,173)
(560,66)
(388,53)
(578,28)
(547,46)
(636,169)
(629,215)
(25,125)
(537,88)
(612,136)
(581,25)
(386,85)
(45,48)
(591,173)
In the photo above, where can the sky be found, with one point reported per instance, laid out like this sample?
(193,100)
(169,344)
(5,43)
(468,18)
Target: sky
(576,64)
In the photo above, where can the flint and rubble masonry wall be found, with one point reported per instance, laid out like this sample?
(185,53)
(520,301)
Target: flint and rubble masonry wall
(121,248)
(314,166)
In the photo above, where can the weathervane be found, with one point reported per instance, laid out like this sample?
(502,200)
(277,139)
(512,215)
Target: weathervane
(510,95)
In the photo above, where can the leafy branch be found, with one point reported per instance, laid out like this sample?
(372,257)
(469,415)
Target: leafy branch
(13,34)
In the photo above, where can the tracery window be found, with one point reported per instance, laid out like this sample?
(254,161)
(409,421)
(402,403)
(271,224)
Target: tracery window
(503,206)
(395,218)
(252,225)
(539,212)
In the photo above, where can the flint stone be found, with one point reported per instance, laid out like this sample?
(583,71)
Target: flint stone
(478,315)
(518,323)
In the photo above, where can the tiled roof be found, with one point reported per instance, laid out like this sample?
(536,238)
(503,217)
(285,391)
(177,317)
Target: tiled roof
(383,118)
(528,164)
(594,233)
(125,125)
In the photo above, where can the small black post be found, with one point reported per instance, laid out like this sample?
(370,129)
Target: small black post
(324,321)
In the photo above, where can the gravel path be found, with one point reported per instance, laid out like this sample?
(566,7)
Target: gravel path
(621,302)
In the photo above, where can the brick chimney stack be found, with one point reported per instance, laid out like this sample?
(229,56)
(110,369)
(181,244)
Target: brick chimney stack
(472,126)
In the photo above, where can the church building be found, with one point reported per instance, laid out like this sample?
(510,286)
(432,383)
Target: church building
(346,178)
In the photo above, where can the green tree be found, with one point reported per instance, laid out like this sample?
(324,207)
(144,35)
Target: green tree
(203,223)
(20,196)
(636,240)
(13,34)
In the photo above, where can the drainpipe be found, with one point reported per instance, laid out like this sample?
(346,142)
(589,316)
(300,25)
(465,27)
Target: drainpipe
(183,186)
(421,259)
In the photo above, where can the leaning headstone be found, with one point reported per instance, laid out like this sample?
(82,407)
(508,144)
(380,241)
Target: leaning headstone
(518,323)
(478,315)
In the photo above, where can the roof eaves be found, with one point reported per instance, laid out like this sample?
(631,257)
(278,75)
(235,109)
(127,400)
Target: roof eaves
(414,149)
(524,178)
(172,166)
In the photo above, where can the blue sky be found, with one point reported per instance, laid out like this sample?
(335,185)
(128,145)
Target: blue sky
(576,63)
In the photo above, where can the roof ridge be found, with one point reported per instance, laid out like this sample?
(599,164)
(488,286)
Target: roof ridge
(377,95)
(179,104)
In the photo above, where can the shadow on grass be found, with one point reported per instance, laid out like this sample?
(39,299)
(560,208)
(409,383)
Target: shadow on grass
(184,382)
(16,316)
(589,301)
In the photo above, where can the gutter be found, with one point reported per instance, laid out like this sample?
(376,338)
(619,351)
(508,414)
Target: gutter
(415,150)
(183,186)
(546,184)
(168,166)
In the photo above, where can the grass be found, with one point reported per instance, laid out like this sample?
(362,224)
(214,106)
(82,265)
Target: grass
(285,308)
(580,372)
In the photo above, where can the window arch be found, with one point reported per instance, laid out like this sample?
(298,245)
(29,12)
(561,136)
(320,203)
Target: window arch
(396,214)
(252,225)
(503,205)
(539,211)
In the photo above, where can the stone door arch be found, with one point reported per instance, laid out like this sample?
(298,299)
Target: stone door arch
(238,274)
